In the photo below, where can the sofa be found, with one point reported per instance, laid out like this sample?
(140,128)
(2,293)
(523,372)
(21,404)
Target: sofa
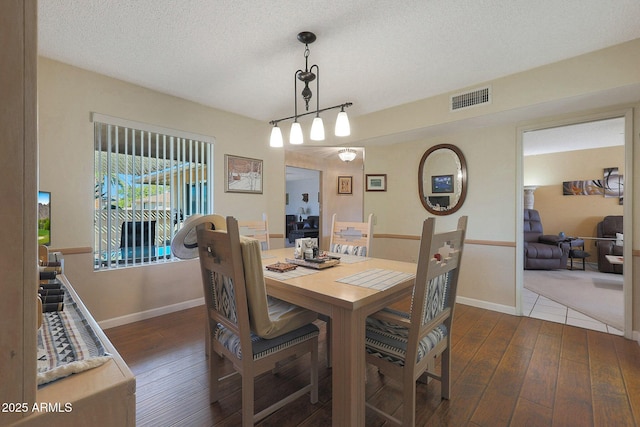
(541,251)
(610,242)
(308,228)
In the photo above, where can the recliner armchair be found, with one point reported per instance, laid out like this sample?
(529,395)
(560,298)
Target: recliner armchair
(541,251)
(608,229)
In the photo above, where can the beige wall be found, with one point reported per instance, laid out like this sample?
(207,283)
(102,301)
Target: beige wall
(575,215)
(67,96)
(490,155)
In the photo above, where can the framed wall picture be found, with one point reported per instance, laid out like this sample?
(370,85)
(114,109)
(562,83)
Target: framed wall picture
(345,185)
(376,182)
(242,175)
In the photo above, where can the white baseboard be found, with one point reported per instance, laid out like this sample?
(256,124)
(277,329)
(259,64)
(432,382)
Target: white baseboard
(487,305)
(147,314)
(636,336)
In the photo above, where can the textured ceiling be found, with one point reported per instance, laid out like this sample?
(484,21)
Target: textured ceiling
(583,136)
(241,55)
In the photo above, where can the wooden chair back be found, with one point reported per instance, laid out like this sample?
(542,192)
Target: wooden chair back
(351,237)
(404,345)
(435,288)
(224,286)
(230,336)
(257,229)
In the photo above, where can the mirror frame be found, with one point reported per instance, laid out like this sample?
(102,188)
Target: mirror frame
(463,167)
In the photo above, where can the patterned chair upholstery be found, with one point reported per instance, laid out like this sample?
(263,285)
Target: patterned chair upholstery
(388,340)
(233,296)
(405,345)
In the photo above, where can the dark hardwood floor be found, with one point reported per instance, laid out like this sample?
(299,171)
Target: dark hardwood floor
(506,371)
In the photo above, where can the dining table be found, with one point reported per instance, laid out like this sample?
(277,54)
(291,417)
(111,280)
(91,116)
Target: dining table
(347,292)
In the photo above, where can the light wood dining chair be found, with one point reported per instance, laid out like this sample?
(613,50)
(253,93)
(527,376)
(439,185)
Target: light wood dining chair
(257,229)
(252,331)
(352,238)
(348,238)
(404,345)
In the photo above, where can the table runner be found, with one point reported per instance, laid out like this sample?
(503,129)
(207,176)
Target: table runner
(67,344)
(376,278)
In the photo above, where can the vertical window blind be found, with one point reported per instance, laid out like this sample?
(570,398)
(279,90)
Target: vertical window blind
(147,181)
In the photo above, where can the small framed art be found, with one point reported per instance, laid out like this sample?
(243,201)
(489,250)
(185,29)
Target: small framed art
(242,174)
(442,184)
(344,184)
(376,182)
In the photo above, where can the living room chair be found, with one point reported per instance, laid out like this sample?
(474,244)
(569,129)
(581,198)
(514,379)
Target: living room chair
(258,230)
(252,331)
(543,251)
(404,345)
(352,238)
(610,242)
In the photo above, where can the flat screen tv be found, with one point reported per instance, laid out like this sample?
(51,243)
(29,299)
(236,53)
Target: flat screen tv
(44,218)
(442,184)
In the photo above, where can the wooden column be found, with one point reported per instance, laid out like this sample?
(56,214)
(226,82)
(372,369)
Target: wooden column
(18,203)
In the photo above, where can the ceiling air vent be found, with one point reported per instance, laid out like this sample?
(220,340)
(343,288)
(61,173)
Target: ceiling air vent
(471,98)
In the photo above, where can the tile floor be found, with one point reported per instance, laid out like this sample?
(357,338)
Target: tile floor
(539,307)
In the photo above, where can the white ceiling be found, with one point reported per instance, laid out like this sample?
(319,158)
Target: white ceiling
(583,136)
(241,55)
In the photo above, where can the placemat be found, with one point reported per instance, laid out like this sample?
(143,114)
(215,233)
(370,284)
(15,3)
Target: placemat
(298,272)
(376,278)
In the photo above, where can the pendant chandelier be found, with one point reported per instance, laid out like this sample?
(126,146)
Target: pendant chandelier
(307,76)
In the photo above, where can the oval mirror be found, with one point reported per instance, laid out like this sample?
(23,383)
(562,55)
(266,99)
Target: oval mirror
(442,179)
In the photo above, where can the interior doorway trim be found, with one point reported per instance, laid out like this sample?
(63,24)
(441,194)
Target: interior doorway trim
(316,194)
(627,114)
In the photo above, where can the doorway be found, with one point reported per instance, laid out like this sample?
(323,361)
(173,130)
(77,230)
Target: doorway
(302,201)
(576,151)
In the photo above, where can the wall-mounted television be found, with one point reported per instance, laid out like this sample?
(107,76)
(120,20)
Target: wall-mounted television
(442,184)
(44,218)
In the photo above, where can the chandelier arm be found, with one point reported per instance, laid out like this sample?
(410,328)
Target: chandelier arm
(345,105)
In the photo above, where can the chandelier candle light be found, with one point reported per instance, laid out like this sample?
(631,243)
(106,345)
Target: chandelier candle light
(317,127)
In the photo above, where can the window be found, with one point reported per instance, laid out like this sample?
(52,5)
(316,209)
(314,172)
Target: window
(147,181)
